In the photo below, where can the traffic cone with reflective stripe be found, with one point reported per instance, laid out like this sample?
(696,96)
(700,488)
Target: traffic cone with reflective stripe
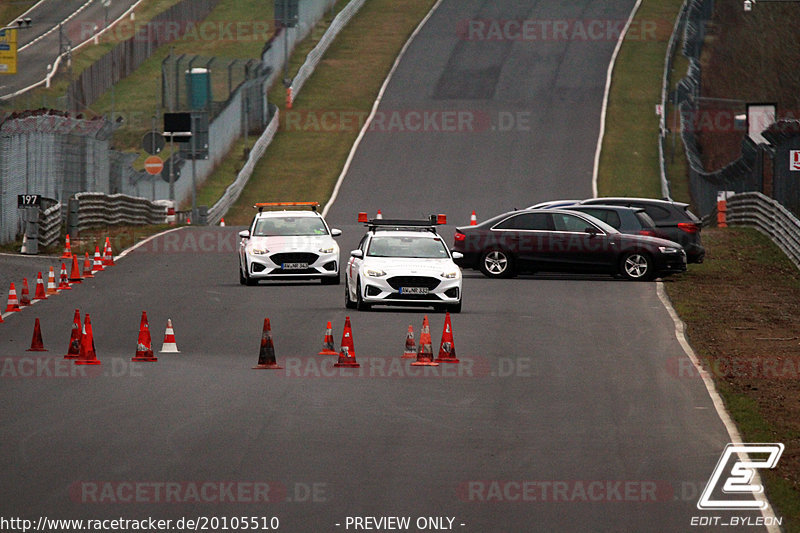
(75,274)
(473,220)
(36,343)
(411,347)
(63,284)
(40,293)
(425,352)
(25,296)
(327,343)
(51,283)
(67,249)
(108,257)
(447,348)
(87,267)
(379,216)
(347,356)
(97,266)
(222,223)
(87,354)
(266,354)
(169,345)
(74,350)
(144,348)
(13,303)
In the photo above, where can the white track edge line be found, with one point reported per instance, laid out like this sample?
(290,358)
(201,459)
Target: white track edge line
(375,105)
(716,399)
(607,91)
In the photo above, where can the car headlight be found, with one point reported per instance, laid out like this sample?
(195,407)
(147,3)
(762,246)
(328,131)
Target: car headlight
(259,251)
(449,275)
(326,250)
(668,250)
(374,273)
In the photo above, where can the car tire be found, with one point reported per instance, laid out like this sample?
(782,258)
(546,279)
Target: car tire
(496,264)
(636,266)
(242,280)
(361,305)
(348,303)
(330,280)
(245,279)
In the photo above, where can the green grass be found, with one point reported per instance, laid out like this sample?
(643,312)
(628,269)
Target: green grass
(12,9)
(348,78)
(629,158)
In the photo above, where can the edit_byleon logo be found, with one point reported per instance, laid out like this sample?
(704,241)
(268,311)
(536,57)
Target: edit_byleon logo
(733,476)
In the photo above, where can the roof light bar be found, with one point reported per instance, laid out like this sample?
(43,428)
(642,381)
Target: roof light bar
(262,205)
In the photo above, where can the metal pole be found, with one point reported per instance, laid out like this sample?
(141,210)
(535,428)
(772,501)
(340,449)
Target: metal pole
(285,40)
(153,150)
(194,157)
(171,168)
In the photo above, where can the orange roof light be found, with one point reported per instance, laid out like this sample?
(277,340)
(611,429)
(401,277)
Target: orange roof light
(362,217)
(441,219)
(262,205)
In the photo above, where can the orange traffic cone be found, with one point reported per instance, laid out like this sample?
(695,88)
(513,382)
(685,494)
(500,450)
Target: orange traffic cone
(13,304)
(67,250)
(87,354)
(144,348)
(36,343)
(108,257)
(51,283)
(75,274)
(74,350)
(87,267)
(347,357)
(473,220)
(97,266)
(411,347)
(222,222)
(169,345)
(425,353)
(266,354)
(327,343)
(40,293)
(447,348)
(25,296)
(379,216)
(63,284)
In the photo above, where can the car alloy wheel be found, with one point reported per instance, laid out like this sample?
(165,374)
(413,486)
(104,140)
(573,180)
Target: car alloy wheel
(496,264)
(636,266)
(361,305)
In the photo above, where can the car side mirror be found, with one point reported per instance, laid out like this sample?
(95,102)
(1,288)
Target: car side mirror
(357,253)
(458,255)
(335,232)
(244,234)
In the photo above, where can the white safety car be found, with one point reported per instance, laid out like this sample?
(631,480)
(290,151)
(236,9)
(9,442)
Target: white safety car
(403,262)
(288,244)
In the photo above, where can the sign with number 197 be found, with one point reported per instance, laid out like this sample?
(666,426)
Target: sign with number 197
(28,200)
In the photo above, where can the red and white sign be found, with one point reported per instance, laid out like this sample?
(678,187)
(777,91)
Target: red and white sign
(794,160)
(153,165)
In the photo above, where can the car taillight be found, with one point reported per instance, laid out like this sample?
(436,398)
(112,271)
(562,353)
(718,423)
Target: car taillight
(647,232)
(688,227)
(459,236)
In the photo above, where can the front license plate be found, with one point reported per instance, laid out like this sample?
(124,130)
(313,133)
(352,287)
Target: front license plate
(295,266)
(413,290)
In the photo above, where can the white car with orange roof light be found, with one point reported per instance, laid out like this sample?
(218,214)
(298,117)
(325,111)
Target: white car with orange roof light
(288,244)
(403,262)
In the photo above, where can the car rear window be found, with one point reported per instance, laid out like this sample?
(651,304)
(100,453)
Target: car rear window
(645,220)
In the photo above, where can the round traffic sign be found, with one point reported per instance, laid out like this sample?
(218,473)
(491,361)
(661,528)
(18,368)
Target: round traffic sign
(153,165)
(153,142)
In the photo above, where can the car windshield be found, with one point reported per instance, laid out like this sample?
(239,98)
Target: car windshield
(289,226)
(397,246)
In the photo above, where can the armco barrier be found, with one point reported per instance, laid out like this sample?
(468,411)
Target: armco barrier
(769,217)
(50,225)
(218,210)
(315,55)
(97,209)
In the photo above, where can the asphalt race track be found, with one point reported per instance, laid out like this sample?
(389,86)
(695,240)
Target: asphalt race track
(570,386)
(33,58)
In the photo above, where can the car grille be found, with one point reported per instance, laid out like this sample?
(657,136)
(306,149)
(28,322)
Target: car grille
(294,257)
(413,281)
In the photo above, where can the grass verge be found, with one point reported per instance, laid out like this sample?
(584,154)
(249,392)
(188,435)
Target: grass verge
(629,159)
(122,237)
(348,78)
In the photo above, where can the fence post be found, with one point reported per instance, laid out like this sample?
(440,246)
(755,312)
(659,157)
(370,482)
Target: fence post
(73,207)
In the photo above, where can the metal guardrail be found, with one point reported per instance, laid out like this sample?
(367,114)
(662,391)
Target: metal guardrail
(98,209)
(315,55)
(769,217)
(218,210)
